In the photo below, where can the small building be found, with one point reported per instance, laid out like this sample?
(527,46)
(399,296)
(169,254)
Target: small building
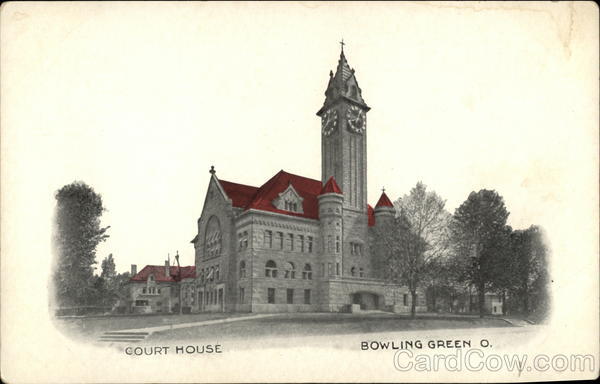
(157,288)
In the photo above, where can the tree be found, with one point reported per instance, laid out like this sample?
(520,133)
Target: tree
(414,239)
(76,236)
(529,284)
(108,267)
(479,233)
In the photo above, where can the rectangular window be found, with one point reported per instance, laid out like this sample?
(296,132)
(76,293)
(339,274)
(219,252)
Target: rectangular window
(269,239)
(301,239)
(310,244)
(220,295)
(280,239)
(307,296)
(143,290)
(329,269)
(241,295)
(291,241)
(337,269)
(405,300)
(337,244)
(271,295)
(290,296)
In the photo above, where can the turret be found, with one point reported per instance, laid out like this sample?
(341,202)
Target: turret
(384,210)
(331,202)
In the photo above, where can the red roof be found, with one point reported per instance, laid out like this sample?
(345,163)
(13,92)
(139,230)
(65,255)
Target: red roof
(240,194)
(384,201)
(159,273)
(371,215)
(331,187)
(248,197)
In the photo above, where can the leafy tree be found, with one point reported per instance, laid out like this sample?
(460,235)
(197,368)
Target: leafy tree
(108,267)
(529,285)
(76,236)
(479,232)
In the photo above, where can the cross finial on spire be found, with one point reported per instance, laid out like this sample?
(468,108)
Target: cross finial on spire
(342,44)
(383,190)
(212,170)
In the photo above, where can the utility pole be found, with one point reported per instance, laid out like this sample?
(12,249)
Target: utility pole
(179,280)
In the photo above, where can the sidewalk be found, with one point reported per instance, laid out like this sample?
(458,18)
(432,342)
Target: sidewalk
(139,334)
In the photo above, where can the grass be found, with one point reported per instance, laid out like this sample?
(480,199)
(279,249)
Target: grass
(315,324)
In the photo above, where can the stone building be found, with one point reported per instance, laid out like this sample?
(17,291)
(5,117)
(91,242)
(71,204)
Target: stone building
(156,288)
(295,243)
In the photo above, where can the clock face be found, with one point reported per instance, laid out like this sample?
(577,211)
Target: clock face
(357,120)
(329,122)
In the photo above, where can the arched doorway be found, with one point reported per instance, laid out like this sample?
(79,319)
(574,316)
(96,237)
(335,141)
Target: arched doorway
(367,300)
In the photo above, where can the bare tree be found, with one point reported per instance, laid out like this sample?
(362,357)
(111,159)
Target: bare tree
(414,239)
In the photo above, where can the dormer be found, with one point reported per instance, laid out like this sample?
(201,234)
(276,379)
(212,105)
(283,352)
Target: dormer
(289,200)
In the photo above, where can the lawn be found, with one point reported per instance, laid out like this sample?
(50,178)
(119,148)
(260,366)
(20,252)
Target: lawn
(315,324)
(96,325)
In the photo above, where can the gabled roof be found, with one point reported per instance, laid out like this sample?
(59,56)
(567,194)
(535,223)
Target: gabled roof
(384,201)
(241,195)
(248,197)
(159,273)
(307,188)
(331,187)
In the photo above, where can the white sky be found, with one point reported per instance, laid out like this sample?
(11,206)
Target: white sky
(138,100)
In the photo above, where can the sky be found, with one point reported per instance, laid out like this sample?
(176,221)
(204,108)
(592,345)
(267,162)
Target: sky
(138,101)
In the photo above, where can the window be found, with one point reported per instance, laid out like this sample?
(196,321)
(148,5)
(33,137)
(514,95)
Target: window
(202,275)
(271,295)
(242,269)
(270,269)
(280,239)
(405,299)
(329,243)
(243,240)
(217,275)
(290,296)
(301,239)
(220,295)
(290,271)
(269,239)
(241,296)
(322,268)
(353,271)
(212,238)
(329,269)
(159,291)
(337,245)
(307,296)
(211,274)
(337,269)
(141,303)
(307,273)
(143,290)
(361,272)
(355,249)
(291,241)
(310,244)
(151,278)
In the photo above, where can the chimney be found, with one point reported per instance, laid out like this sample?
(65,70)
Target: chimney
(133,270)
(167,267)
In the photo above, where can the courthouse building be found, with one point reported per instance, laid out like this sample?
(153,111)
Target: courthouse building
(295,243)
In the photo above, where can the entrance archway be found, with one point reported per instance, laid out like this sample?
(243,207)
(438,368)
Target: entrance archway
(368,300)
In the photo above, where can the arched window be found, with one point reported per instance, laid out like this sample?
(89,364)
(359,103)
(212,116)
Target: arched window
(290,271)
(242,269)
(212,238)
(151,277)
(217,273)
(211,274)
(307,273)
(353,271)
(271,269)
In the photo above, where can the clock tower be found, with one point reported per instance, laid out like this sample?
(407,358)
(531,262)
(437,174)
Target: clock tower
(343,136)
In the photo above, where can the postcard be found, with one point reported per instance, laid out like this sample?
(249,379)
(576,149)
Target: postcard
(299,192)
